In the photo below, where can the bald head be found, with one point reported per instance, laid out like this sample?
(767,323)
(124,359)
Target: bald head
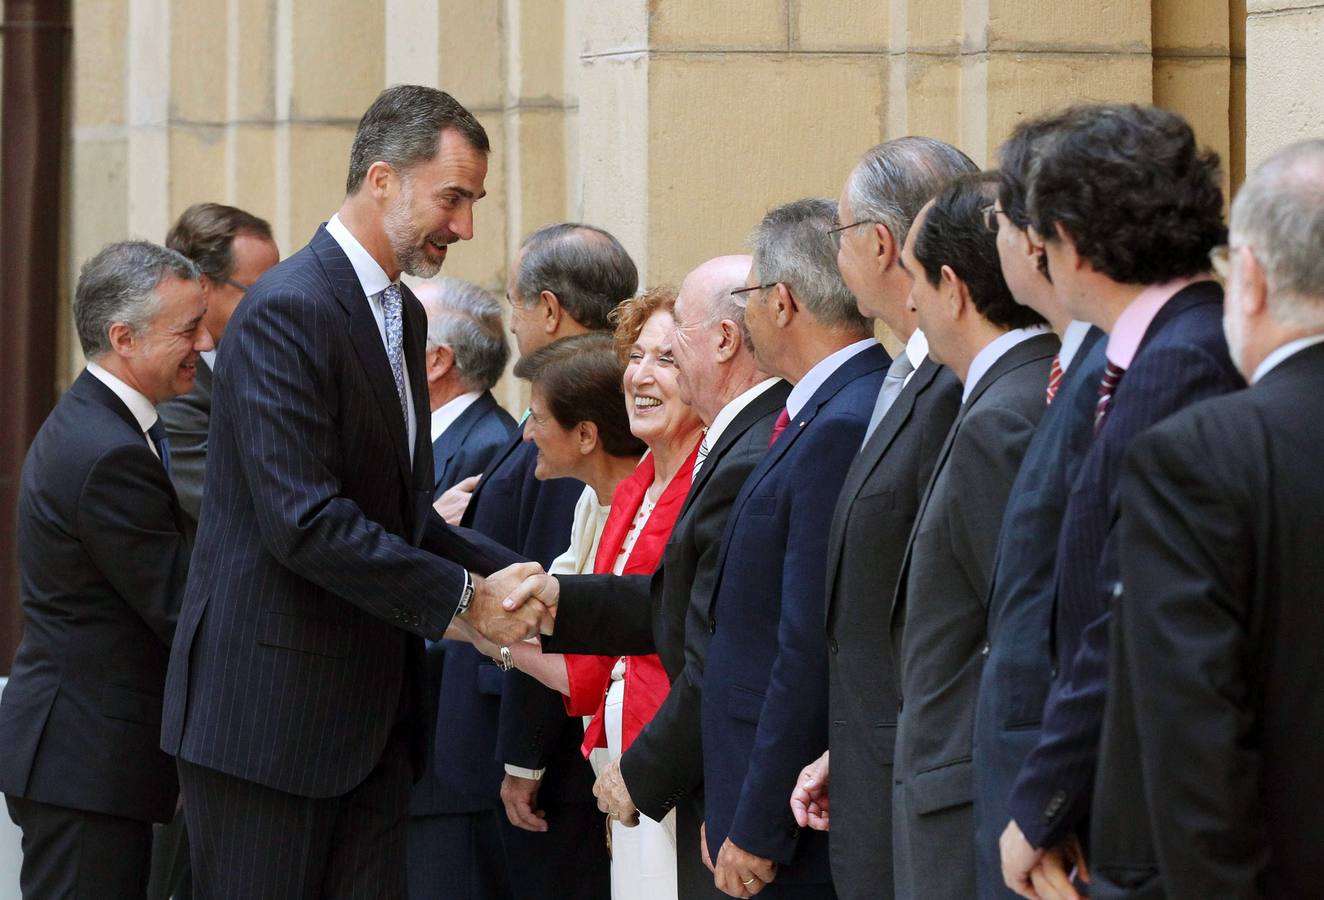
(711,347)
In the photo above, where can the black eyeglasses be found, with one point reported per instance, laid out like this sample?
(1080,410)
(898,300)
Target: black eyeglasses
(739,293)
(835,231)
(991,213)
(236,284)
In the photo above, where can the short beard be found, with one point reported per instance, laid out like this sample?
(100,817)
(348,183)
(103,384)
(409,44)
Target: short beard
(412,258)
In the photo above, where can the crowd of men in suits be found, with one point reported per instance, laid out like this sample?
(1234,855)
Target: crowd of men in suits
(1026,610)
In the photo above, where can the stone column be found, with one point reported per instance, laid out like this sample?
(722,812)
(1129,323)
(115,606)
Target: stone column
(1284,74)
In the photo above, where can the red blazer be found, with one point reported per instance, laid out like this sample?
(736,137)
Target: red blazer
(646,682)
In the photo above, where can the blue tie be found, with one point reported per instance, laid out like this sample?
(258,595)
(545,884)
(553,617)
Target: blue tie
(392,307)
(158,435)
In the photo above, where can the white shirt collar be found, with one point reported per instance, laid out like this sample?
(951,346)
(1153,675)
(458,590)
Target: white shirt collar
(1281,354)
(917,348)
(370,274)
(727,414)
(209,357)
(1072,338)
(821,372)
(445,416)
(993,351)
(143,411)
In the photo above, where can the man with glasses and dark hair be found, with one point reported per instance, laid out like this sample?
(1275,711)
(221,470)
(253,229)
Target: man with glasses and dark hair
(1016,672)
(1000,351)
(231,248)
(911,415)
(1127,207)
(764,709)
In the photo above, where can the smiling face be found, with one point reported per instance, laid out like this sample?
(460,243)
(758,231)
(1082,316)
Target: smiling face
(161,361)
(434,205)
(652,394)
(560,450)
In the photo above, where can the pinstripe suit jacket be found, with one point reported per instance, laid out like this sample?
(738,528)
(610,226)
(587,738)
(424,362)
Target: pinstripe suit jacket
(1182,358)
(320,564)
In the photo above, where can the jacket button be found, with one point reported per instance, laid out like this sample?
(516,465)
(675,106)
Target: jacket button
(712,626)
(983,651)
(832,644)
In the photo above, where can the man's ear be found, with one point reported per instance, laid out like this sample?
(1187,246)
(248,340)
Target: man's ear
(122,339)
(729,338)
(783,305)
(1253,289)
(440,360)
(380,181)
(955,294)
(551,312)
(887,252)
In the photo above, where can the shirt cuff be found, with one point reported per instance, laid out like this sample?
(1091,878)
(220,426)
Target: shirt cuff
(466,597)
(521,772)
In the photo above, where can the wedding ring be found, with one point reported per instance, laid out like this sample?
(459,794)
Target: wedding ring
(748,883)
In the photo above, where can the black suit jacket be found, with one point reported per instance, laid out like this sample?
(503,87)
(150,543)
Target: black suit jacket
(1182,358)
(320,563)
(1209,779)
(186,418)
(469,443)
(102,561)
(873,518)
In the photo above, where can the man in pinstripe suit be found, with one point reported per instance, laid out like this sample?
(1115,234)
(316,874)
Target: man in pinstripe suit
(292,698)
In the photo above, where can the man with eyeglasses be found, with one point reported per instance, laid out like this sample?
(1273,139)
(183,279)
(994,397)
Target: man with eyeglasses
(231,248)
(1127,207)
(874,513)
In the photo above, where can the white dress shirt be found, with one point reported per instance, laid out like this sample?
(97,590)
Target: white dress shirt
(144,413)
(1281,354)
(1072,338)
(806,387)
(917,349)
(993,351)
(445,417)
(725,416)
(373,280)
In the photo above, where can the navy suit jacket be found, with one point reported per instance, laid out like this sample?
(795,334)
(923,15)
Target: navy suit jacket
(320,564)
(465,448)
(102,561)
(1018,668)
(765,685)
(1182,358)
(469,443)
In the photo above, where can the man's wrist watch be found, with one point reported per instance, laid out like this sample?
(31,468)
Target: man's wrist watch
(466,595)
(506,662)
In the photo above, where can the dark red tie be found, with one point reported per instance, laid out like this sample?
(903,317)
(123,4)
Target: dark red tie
(1054,378)
(1112,374)
(779,426)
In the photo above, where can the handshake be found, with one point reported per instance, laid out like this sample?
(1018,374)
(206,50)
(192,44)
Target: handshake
(513,604)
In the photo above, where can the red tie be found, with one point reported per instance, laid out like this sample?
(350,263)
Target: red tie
(779,426)
(1054,377)
(1112,374)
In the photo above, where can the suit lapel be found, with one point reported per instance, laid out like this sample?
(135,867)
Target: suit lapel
(452,439)
(772,399)
(415,340)
(367,341)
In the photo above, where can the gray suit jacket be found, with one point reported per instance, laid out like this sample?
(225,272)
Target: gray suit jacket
(185,419)
(877,507)
(938,622)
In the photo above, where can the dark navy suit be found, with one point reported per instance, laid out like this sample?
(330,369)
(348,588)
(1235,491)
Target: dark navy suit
(454,843)
(296,674)
(1018,668)
(765,686)
(512,718)
(1182,358)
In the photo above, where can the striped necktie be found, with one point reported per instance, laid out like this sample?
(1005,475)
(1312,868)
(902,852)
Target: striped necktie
(704,450)
(1112,376)
(1054,377)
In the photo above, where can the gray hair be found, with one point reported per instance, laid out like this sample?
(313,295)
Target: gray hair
(1279,212)
(466,318)
(403,128)
(118,285)
(792,246)
(895,179)
(585,267)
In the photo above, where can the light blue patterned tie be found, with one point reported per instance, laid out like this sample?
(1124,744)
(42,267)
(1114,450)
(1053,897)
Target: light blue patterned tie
(392,305)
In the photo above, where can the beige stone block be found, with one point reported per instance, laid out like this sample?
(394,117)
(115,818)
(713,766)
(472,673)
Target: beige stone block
(933,26)
(1256,7)
(840,25)
(483,259)
(1237,125)
(319,157)
(253,158)
(198,50)
(337,67)
(731,137)
(1200,90)
(1191,26)
(538,185)
(924,97)
(536,31)
(1284,69)
(705,25)
(471,52)
(1018,86)
(99,64)
(254,75)
(98,188)
(614,128)
(197,168)
(620,26)
(1236,11)
(1034,25)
